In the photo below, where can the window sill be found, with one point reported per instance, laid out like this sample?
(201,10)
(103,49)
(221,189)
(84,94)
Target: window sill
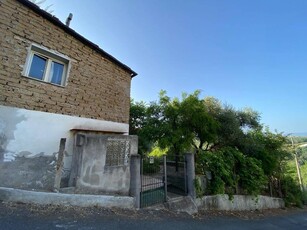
(45,82)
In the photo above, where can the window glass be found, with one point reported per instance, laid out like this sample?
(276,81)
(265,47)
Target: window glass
(56,72)
(46,66)
(37,67)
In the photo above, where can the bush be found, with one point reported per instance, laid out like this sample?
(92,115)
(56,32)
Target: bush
(291,192)
(305,197)
(231,171)
(149,168)
(251,175)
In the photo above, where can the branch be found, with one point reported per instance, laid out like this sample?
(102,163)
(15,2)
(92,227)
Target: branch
(195,146)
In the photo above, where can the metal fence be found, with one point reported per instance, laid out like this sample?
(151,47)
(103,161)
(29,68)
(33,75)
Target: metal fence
(161,177)
(153,181)
(176,175)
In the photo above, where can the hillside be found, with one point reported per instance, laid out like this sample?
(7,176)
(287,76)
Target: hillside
(301,149)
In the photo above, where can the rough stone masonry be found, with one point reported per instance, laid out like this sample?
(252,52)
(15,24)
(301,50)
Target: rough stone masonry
(97,87)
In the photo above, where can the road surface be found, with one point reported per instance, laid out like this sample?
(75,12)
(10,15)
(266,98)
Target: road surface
(24,217)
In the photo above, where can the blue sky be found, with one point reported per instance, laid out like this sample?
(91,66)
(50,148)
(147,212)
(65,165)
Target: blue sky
(245,53)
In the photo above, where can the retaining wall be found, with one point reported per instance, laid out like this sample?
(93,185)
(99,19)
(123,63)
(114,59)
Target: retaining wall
(238,203)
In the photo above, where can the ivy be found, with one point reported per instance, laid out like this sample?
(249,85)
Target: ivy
(232,172)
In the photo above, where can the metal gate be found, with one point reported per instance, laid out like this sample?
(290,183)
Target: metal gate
(160,176)
(176,175)
(153,181)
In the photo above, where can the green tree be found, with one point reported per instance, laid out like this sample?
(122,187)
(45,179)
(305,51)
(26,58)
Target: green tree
(198,122)
(186,123)
(230,143)
(232,124)
(267,147)
(145,123)
(270,149)
(173,135)
(137,122)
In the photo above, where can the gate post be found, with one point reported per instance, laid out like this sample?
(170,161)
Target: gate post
(135,178)
(59,166)
(190,174)
(165,178)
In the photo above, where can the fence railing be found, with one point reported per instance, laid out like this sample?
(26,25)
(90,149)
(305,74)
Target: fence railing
(153,181)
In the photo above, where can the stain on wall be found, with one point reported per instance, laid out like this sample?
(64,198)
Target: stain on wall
(3,142)
(32,173)
(9,119)
(91,174)
(27,135)
(66,169)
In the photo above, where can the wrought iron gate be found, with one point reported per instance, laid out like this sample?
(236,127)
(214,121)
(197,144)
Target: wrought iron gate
(160,176)
(176,175)
(153,181)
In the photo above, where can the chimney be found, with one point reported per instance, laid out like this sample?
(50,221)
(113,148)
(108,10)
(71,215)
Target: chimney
(69,18)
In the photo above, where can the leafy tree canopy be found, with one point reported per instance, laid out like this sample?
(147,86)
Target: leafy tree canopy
(242,155)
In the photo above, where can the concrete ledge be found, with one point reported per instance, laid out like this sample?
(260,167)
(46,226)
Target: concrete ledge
(182,204)
(238,203)
(18,195)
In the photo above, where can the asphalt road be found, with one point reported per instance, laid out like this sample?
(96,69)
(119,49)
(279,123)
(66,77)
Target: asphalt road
(23,217)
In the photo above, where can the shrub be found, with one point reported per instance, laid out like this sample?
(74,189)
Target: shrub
(291,192)
(230,171)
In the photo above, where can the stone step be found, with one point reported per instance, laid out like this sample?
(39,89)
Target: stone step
(182,204)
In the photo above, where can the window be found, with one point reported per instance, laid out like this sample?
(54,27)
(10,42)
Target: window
(45,65)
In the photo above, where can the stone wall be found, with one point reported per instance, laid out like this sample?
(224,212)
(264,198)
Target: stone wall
(238,203)
(96,88)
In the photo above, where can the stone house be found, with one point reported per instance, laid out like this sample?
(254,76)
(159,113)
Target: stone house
(54,84)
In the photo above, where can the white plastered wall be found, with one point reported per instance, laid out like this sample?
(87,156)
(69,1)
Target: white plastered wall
(32,133)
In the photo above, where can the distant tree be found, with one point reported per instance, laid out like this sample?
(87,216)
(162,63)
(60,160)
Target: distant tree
(298,140)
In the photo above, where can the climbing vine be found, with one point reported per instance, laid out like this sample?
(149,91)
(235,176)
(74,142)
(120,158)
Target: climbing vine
(232,172)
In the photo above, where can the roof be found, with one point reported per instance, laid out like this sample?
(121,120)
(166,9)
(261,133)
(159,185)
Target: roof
(73,33)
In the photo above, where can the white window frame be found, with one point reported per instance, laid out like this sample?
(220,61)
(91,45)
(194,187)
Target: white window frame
(50,56)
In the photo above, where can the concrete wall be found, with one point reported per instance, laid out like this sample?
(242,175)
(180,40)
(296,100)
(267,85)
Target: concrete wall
(96,88)
(101,163)
(238,203)
(81,200)
(29,142)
